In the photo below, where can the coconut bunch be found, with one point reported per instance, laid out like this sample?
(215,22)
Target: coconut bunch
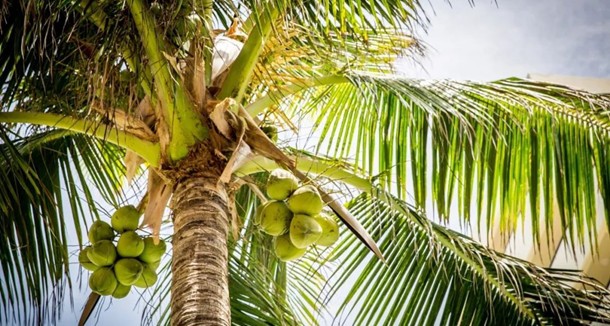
(119,257)
(294,217)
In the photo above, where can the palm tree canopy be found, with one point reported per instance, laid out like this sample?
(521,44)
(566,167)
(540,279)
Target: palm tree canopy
(386,144)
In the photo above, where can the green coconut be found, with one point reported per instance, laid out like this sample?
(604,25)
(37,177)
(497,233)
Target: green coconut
(84,260)
(275,218)
(100,230)
(270,131)
(257,214)
(121,291)
(154,265)
(285,250)
(130,244)
(152,252)
(147,279)
(103,281)
(102,253)
(304,231)
(305,200)
(330,229)
(281,184)
(128,270)
(125,218)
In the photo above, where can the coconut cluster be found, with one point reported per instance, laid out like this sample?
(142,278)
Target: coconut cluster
(120,258)
(294,216)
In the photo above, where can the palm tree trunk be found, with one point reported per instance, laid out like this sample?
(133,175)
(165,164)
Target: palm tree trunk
(200,284)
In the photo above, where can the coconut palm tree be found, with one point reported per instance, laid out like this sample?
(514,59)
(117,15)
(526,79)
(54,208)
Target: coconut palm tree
(173,96)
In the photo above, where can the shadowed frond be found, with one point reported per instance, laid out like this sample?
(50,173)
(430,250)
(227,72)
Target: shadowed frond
(437,276)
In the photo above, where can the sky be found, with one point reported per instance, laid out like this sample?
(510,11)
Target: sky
(485,42)
(513,38)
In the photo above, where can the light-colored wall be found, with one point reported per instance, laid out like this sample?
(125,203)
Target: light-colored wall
(593,265)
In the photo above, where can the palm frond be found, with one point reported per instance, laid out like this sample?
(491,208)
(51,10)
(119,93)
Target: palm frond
(18,58)
(296,50)
(341,36)
(355,18)
(437,276)
(513,144)
(295,54)
(61,56)
(48,197)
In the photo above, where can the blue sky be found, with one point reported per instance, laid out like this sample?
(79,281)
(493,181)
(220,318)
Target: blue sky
(489,41)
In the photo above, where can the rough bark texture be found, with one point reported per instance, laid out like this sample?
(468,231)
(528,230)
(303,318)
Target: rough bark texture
(200,288)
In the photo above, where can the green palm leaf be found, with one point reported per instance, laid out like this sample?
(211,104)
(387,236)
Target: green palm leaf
(482,144)
(46,199)
(436,275)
